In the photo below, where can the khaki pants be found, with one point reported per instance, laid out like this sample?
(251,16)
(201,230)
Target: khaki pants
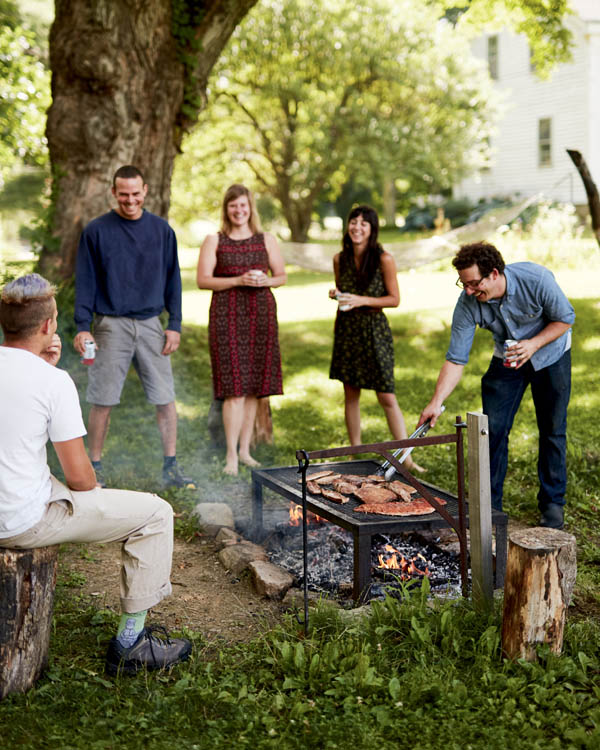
(142,521)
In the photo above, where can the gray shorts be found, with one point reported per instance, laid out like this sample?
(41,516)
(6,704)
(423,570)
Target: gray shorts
(122,341)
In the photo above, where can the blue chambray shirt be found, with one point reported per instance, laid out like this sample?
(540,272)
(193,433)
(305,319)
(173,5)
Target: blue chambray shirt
(532,300)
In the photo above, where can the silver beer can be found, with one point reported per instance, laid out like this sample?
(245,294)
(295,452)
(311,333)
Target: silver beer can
(89,353)
(508,361)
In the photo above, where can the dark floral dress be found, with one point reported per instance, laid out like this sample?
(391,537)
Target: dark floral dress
(242,326)
(363,348)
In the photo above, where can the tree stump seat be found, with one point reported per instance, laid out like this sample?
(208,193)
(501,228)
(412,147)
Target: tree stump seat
(27,582)
(540,577)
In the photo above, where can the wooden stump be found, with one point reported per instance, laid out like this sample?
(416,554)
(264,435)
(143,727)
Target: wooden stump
(27,581)
(540,576)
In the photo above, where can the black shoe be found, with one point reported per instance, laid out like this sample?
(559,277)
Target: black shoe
(553,517)
(172,477)
(100,480)
(148,652)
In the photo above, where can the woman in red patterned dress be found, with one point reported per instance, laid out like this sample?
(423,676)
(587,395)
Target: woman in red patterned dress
(240,264)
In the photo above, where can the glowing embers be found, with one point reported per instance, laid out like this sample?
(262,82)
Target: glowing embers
(393,560)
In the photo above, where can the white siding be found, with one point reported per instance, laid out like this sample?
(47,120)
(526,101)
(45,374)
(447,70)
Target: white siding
(569,97)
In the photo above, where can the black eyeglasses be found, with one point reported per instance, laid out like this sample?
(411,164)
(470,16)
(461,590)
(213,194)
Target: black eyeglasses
(470,284)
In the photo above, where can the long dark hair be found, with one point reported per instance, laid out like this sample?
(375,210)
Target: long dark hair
(372,257)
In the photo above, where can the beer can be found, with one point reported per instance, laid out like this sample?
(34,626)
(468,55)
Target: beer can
(89,353)
(508,361)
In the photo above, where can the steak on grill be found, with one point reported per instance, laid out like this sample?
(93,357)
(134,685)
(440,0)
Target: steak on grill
(335,497)
(372,494)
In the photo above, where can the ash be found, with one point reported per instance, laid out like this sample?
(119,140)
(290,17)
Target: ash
(330,560)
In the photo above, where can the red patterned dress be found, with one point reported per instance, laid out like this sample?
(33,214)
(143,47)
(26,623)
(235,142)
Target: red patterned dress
(242,327)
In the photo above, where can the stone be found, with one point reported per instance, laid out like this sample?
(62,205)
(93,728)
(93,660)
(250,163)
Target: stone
(270,580)
(212,517)
(226,537)
(236,557)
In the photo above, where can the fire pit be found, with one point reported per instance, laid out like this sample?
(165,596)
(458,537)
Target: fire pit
(285,481)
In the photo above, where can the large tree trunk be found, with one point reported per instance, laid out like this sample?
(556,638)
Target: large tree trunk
(127,82)
(590,189)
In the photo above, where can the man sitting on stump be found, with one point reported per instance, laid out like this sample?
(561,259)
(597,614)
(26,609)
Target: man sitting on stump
(39,402)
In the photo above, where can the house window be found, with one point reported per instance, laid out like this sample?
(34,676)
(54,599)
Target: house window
(492,55)
(545,142)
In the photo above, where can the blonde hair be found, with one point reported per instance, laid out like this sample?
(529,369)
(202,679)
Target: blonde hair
(25,304)
(233,193)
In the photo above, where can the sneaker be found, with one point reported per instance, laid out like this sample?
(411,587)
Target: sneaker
(148,652)
(100,480)
(172,477)
(553,517)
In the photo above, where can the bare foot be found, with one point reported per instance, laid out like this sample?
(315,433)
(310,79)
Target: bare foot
(412,466)
(247,460)
(231,466)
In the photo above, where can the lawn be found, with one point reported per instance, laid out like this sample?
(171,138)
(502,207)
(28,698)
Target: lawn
(411,675)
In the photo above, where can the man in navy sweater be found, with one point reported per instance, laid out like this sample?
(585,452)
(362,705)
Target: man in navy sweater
(127,273)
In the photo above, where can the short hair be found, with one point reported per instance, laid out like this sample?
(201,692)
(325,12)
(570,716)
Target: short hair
(482,254)
(25,304)
(232,193)
(127,172)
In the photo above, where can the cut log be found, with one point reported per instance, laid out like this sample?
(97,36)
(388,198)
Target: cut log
(27,581)
(540,575)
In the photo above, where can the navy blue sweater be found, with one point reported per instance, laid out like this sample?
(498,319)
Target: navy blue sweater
(128,268)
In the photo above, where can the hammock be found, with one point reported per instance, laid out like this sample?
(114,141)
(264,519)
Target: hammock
(319,257)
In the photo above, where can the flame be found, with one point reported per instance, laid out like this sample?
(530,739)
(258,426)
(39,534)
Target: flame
(397,561)
(296,516)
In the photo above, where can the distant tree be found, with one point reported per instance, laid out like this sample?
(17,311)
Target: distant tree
(24,92)
(307,93)
(308,96)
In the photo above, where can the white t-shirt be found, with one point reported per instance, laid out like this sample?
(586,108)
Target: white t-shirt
(38,402)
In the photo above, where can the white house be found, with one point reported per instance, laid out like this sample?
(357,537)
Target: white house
(543,117)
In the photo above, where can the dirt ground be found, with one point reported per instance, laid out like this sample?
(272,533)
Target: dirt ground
(206,598)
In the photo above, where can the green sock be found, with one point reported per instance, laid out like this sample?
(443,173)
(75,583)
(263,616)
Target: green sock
(130,626)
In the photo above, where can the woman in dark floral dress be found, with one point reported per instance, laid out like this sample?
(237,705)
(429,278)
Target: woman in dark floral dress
(363,348)
(240,264)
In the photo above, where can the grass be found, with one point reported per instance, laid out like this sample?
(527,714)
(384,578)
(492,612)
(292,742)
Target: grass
(412,674)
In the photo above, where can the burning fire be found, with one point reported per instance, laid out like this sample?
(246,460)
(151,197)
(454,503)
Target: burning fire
(397,561)
(296,516)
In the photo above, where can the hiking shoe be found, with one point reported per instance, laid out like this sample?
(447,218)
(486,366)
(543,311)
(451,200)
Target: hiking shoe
(99,470)
(553,517)
(148,652)
(172,477)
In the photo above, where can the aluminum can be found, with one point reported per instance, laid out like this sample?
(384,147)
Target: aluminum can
(507,361)
(89,354)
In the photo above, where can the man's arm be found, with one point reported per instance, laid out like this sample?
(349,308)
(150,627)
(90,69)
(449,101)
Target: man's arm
(78,471)
(448,379)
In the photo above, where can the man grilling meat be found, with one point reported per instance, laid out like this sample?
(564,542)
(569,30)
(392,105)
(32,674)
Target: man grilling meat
(522,302)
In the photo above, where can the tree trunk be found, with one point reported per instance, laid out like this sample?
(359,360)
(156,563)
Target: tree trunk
(128,79)
(27,580)
(540,575)
(590,189)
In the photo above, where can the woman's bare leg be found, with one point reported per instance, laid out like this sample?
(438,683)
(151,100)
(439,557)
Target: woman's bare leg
(250,406)
(397,425)
(233,417)
(352,413)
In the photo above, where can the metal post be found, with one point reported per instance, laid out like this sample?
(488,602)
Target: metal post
(480,509)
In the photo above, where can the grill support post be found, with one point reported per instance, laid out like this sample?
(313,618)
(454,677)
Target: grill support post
(480,510)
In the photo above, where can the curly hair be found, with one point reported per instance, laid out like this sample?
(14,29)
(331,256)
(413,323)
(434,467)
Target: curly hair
(482,254)
(25,304)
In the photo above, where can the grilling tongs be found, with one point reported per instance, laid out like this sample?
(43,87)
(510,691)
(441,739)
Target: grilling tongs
(386,468)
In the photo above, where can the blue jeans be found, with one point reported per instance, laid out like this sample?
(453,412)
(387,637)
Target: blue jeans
(502,389)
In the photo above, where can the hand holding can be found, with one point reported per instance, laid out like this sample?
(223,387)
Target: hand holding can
(89,354)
